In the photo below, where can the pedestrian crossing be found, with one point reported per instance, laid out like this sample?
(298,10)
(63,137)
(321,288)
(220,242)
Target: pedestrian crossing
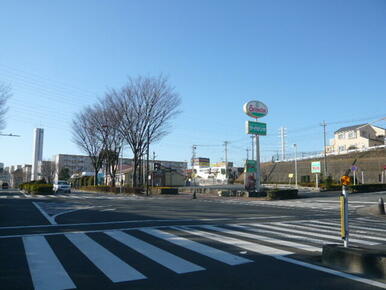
(81,196)
(179,249)
(320,205)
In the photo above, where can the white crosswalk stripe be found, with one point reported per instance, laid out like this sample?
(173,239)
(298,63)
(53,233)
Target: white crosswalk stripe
(46,271)
(278,240)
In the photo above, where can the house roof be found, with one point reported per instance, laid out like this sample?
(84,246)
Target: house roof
(350,128)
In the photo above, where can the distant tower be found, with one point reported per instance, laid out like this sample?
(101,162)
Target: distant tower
(37,151)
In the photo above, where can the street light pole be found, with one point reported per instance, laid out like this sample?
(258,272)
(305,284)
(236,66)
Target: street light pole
(296,166)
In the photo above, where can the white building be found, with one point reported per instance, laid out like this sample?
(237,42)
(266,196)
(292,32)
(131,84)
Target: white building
(37,152)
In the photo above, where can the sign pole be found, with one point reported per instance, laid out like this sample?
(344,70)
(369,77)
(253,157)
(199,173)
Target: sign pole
(257,163)
(344,228)
(354,177)
(316,181)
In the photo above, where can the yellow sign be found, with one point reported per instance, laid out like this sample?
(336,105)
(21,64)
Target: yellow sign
(345,180)
(342,223)
(290,175)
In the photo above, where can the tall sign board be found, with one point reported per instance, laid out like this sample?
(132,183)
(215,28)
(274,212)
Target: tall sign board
(254,109)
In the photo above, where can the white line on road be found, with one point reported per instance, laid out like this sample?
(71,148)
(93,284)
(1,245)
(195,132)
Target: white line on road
(333,272)
(50,219)
(265,239)
(46,270)
(235,242)
(113,267)
(158,255)
(202,249)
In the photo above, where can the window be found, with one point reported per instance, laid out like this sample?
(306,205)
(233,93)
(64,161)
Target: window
(342,148)
(341,136)
(352,134)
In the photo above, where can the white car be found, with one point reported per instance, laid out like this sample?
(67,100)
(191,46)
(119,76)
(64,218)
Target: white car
(62,186)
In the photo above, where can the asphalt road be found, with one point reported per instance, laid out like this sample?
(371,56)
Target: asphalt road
(97,241)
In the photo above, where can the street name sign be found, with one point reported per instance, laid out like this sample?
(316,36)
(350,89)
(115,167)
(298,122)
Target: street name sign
(256,128)
(315,167)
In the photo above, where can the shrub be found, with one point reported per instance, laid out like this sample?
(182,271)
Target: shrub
(282,194)
(367,187)
(36,188)
(169,190)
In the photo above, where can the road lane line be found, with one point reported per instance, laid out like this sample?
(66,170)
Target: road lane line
(158,255)
(202,249)
(265,239)
(261,249)
(331,237)
(113,267)
(47,272)
(50,219)
(332,272)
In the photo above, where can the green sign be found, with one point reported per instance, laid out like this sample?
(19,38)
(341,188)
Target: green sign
(256,128)
(315,167)
(250,166)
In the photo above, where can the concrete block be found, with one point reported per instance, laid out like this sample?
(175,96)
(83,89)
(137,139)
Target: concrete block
(367,261)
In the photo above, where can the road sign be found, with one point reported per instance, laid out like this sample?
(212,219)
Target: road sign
(315,167)
(256,128)
(354,168)
(345,180)
(250,166)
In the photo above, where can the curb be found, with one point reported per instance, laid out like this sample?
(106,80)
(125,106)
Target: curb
(367,261)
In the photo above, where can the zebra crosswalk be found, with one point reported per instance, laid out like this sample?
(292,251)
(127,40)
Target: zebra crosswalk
(173,248)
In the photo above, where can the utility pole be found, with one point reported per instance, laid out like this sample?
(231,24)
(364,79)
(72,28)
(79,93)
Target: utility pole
(282,132)
(247,153)
(194,147)
(147,161)
(226,158)
(252,148)
(296,165)
(152,174)
(324,147)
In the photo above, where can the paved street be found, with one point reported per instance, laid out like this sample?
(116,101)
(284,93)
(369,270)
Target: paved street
(98,241)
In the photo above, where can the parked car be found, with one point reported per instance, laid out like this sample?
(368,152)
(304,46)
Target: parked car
(4,185)
(63,186)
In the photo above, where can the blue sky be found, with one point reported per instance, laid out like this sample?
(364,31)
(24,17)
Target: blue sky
(308,61)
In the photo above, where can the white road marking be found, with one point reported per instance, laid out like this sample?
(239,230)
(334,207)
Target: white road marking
(158,255)
(331,231)
(113,267)
(50,219)
(350,225)
(202,249)
(47,272)
(332,272)
(236,242)
(265,239)
(311,234)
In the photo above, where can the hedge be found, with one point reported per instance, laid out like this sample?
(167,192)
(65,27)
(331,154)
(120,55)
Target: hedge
(282,194)
(367,187)
(111,189)
(36,188)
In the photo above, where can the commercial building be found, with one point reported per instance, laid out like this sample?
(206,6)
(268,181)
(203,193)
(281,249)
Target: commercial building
(37,152)
(361,136)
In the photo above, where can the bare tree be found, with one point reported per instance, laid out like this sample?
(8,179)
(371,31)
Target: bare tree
(5,93)
(107,126)
(145,107)
(87,135)
(47,170)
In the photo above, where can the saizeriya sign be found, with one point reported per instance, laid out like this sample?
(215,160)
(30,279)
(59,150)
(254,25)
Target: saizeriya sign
(255,109)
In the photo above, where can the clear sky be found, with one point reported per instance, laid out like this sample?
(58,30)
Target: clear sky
(307,60)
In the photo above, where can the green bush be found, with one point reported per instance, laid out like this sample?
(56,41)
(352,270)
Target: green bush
(169,190)
(111,189)
(282,194)
(36,188)
(367,187)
